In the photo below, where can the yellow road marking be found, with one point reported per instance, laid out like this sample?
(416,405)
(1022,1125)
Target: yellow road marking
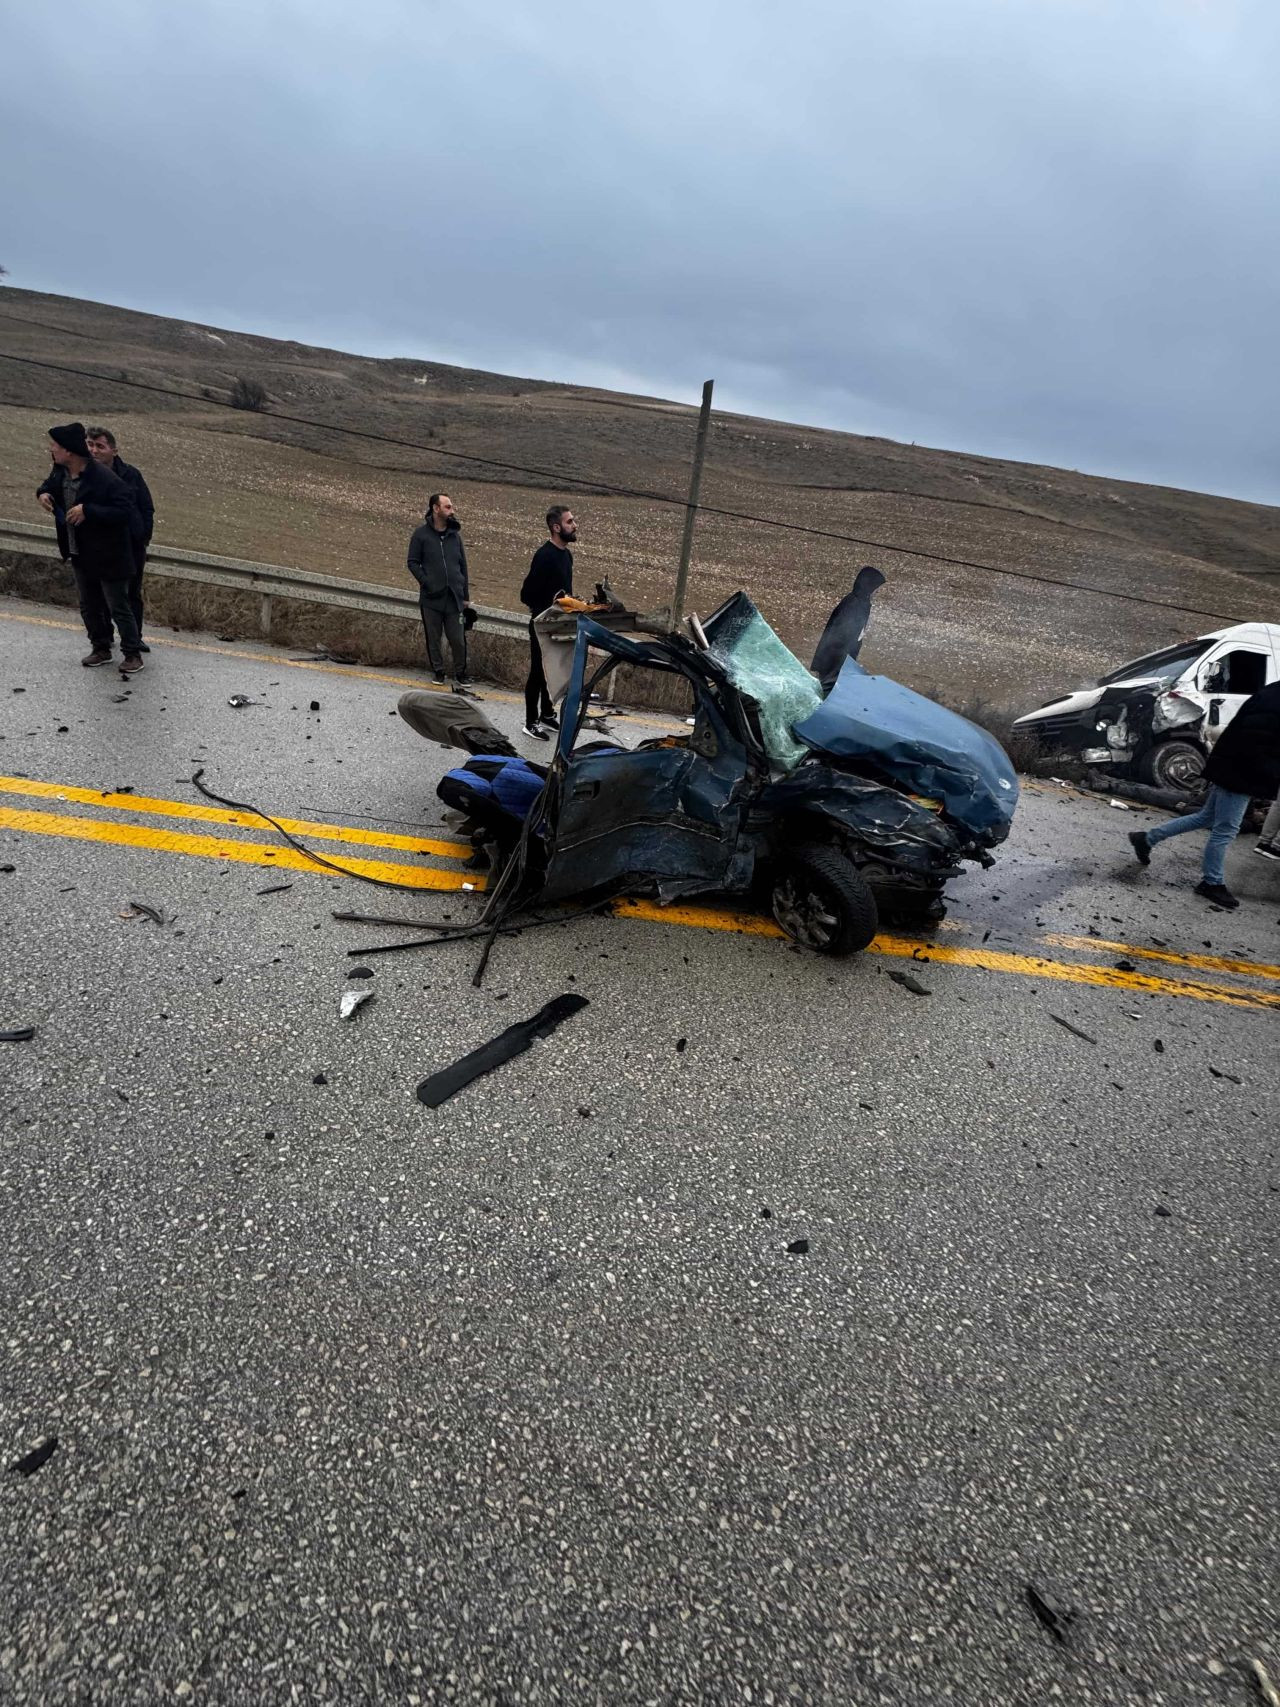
(210,814)
(104,830)
(503,695)
(1204,962)
(989,960)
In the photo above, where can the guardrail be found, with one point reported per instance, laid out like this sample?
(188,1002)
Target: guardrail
(268,581)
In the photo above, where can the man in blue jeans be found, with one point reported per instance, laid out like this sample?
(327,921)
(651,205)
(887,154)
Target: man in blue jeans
(1244,765)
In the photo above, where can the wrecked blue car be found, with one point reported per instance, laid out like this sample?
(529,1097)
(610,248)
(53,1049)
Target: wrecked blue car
(839,799)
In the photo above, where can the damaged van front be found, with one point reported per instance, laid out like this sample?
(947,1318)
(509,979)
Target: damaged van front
(1155,719)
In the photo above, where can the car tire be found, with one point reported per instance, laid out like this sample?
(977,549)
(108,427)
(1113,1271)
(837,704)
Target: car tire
(823,902)
(1176,765)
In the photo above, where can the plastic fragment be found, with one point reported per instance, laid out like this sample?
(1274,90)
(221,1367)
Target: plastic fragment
(1073,1029)
(238,699)
(909,983)
(36,1459)
(1055,1622)
(20,1034)
(515,1040)
(352,1001)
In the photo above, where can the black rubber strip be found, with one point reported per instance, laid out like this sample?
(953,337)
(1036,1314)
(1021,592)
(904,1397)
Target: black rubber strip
(505,1047)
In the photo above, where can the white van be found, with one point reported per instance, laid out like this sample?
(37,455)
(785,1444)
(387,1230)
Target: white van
(1156,718)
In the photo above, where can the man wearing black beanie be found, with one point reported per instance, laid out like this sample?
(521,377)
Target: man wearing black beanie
(93,511)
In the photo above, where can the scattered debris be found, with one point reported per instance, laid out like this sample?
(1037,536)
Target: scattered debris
(1162,1211)
(21,1034)
(515,1040)
(1125,966)
(909,983)
(314,706)
(1266,1689)
(1119,805)
(36,1459)
(1229,1077)
(1073,1029)
(140,910)
(228,637)
(1057,1623)
(1158,1046)
(8,868)
(239,699)
(798,1248)
(360,972)
(273,889)
(682,1043)
(352,1001)
(766,1214)
(319,1079)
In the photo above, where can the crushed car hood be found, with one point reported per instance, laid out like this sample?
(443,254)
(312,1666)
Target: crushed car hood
(919,745)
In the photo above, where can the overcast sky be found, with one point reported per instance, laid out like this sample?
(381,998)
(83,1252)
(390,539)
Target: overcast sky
(1045,229)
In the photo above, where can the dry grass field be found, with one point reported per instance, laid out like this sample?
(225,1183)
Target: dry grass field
(251,485)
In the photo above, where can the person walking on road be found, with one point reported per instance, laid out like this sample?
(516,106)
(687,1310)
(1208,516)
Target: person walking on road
(438,563)
(1243,765)
(550,574)
(102,448)
(93,512)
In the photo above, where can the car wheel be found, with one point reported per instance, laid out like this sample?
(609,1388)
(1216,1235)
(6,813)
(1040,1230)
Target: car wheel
(1177,765)
(823,901)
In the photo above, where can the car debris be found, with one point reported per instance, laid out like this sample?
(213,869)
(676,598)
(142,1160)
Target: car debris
(1155,719)
(909,983)
(1056,1622)
(141,910)
(1073,1029)
(438,1087)
(239,700)
(1266,1689)
(274,889)
(35,1459)
(847,799)
(798,1248)
(352,1001)
(360,972)
(20,1034)
(1229,1077)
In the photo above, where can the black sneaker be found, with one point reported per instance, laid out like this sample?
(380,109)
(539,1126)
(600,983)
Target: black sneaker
(143,647)
(536,732)
(131,665)
(99,656)
(1141,846)
(1268,850)
(462,681)
(1219,894)
(549,720)
(438,676)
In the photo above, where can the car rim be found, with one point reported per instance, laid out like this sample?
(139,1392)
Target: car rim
(1183,769)
(804,913)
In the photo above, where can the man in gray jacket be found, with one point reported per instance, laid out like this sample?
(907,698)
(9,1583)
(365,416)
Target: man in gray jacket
(438,563)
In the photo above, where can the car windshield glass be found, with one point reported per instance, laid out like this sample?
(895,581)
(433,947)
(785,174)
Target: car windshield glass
(1167,666)
(760,666)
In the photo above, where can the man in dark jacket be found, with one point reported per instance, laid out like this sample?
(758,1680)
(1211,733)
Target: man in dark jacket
(438,563)
(102,448)
(550,574)
(94,512)
(1244,765)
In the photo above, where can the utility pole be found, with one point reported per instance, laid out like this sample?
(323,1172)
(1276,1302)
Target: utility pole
(691,508)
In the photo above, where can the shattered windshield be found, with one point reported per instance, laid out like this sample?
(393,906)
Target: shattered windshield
(762,668)
(1165,666)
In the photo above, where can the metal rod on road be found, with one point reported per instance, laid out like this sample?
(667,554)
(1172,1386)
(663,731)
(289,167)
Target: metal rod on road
(691,508)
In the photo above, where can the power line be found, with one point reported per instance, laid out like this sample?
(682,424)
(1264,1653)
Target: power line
(606,488)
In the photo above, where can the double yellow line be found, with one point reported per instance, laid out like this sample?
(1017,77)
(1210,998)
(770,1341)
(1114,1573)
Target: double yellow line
(130,832)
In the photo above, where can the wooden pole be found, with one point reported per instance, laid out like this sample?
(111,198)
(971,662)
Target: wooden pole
(691,508)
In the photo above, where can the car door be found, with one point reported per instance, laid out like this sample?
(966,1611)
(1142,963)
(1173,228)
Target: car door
(1226,676)
(666,818)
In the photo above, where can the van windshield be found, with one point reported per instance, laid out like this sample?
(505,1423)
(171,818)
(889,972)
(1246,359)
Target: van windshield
(1166,666)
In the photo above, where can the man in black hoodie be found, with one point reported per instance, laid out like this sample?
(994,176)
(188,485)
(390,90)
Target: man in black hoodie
(102,448)
(438,563)
(1244,765)
(93,512)
(550,574)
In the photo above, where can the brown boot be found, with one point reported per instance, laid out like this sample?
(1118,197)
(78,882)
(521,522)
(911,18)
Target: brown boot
(99,655)
(132,664)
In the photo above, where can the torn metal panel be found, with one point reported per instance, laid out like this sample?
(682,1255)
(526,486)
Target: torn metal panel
(515,1040)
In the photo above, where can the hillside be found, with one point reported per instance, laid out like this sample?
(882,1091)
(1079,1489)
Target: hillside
(251,486)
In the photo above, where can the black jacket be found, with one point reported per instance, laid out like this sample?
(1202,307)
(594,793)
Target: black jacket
(438,563)
(551,572)
(104,542)
(1246,756)
(144,510)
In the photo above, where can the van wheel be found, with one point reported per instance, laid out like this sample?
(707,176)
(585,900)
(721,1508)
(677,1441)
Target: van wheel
(1178,765)
(823,901)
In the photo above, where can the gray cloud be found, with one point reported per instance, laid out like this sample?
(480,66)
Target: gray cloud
(1044,230)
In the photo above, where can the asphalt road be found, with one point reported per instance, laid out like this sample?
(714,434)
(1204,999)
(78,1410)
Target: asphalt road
(534,1397)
